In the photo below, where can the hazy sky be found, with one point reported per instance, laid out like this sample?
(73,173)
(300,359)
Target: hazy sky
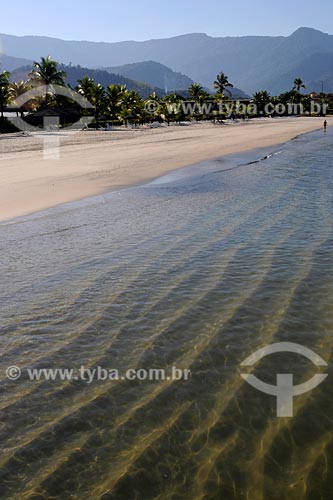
(116,20)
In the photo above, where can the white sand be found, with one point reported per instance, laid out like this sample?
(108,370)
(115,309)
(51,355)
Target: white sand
(91,163)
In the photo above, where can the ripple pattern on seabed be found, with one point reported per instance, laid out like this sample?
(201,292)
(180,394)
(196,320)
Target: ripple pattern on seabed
(198,270)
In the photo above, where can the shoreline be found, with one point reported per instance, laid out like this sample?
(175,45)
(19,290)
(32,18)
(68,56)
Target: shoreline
(95,163)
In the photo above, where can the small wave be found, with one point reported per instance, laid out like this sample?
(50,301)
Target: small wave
(266,157)
(253,162)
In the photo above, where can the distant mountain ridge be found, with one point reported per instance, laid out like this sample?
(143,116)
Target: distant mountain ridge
(316,71)
(252,63)
(154,74)
(74,73)
(8,63)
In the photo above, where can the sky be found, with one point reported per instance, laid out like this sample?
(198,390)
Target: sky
(118,20)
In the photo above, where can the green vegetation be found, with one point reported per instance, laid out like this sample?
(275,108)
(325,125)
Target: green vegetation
(298,84)
(4,91)
(115,104)
(222,84)
(196,91)
(261,99)
(46,72)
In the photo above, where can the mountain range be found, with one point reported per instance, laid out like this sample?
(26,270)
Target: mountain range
(144,77)
(252,63)
(9,63)
(105,78)
(154,73)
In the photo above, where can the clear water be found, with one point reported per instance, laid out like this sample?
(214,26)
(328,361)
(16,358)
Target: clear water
(198,270)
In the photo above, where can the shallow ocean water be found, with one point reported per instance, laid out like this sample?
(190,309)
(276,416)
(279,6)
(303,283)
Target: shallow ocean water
(196,270)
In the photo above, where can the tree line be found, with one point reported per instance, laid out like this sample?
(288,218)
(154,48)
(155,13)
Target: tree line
(116,104)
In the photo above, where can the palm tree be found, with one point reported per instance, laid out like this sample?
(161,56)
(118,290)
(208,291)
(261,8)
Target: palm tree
(152,107)
(93,92)
(171,108)
(222,84)
(85,87)
(16,89)
(98,96)
(46,72)
(261,99)
(114,99)
(132,107)
(195,90)
(4,90)
(200,97)
(298,85)
(153,97)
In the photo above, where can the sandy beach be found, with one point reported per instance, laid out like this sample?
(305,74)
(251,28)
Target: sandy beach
(91,162)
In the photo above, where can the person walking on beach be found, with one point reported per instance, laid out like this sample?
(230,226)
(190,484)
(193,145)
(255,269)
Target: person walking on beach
(325,125)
